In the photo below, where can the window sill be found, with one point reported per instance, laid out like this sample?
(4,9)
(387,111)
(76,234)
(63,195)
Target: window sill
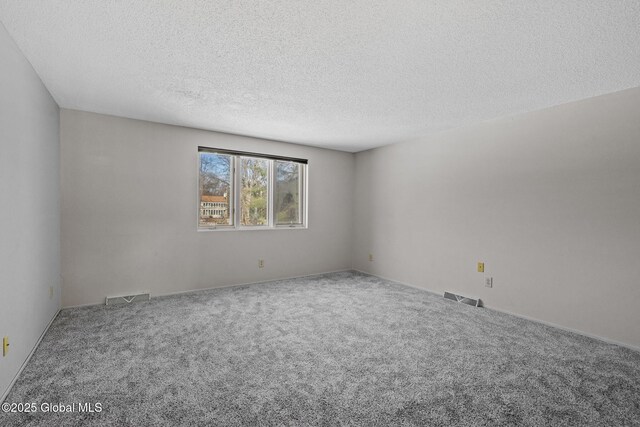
(297,227)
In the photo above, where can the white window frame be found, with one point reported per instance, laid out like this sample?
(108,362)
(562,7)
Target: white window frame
(234,199)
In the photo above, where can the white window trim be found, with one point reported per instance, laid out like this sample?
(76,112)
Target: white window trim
(235,195)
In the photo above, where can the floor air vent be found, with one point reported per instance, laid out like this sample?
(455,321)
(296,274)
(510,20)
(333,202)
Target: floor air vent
(464,300)
(128,299)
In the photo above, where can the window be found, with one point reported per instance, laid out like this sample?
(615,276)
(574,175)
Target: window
(288,191)
(254,191)
(240,190)
(216,182)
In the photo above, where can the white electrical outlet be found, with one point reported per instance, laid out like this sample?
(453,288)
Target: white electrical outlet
(371,257)
(50,292)
(260,263)
(488,282)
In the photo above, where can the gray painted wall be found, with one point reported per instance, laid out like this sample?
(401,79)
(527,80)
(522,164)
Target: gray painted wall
(129,209)
(30,212)
(549,200)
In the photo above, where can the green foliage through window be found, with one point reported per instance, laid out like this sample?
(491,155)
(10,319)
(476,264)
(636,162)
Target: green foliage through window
(254,191)
(287,193)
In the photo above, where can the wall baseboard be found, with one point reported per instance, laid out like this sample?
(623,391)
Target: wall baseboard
(521,316)
(564,328)
(429,291)
(24,364)
(224,286)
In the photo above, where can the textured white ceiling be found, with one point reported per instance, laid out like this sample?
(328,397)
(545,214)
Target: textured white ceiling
(341,74)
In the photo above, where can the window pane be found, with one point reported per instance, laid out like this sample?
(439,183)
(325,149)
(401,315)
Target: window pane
(254,193)
(288,187)
(215,189)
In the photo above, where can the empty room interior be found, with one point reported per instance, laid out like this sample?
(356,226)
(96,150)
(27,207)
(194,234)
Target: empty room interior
(320,213)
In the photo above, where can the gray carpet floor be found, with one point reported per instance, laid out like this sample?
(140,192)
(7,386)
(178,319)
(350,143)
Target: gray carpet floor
(336,349)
